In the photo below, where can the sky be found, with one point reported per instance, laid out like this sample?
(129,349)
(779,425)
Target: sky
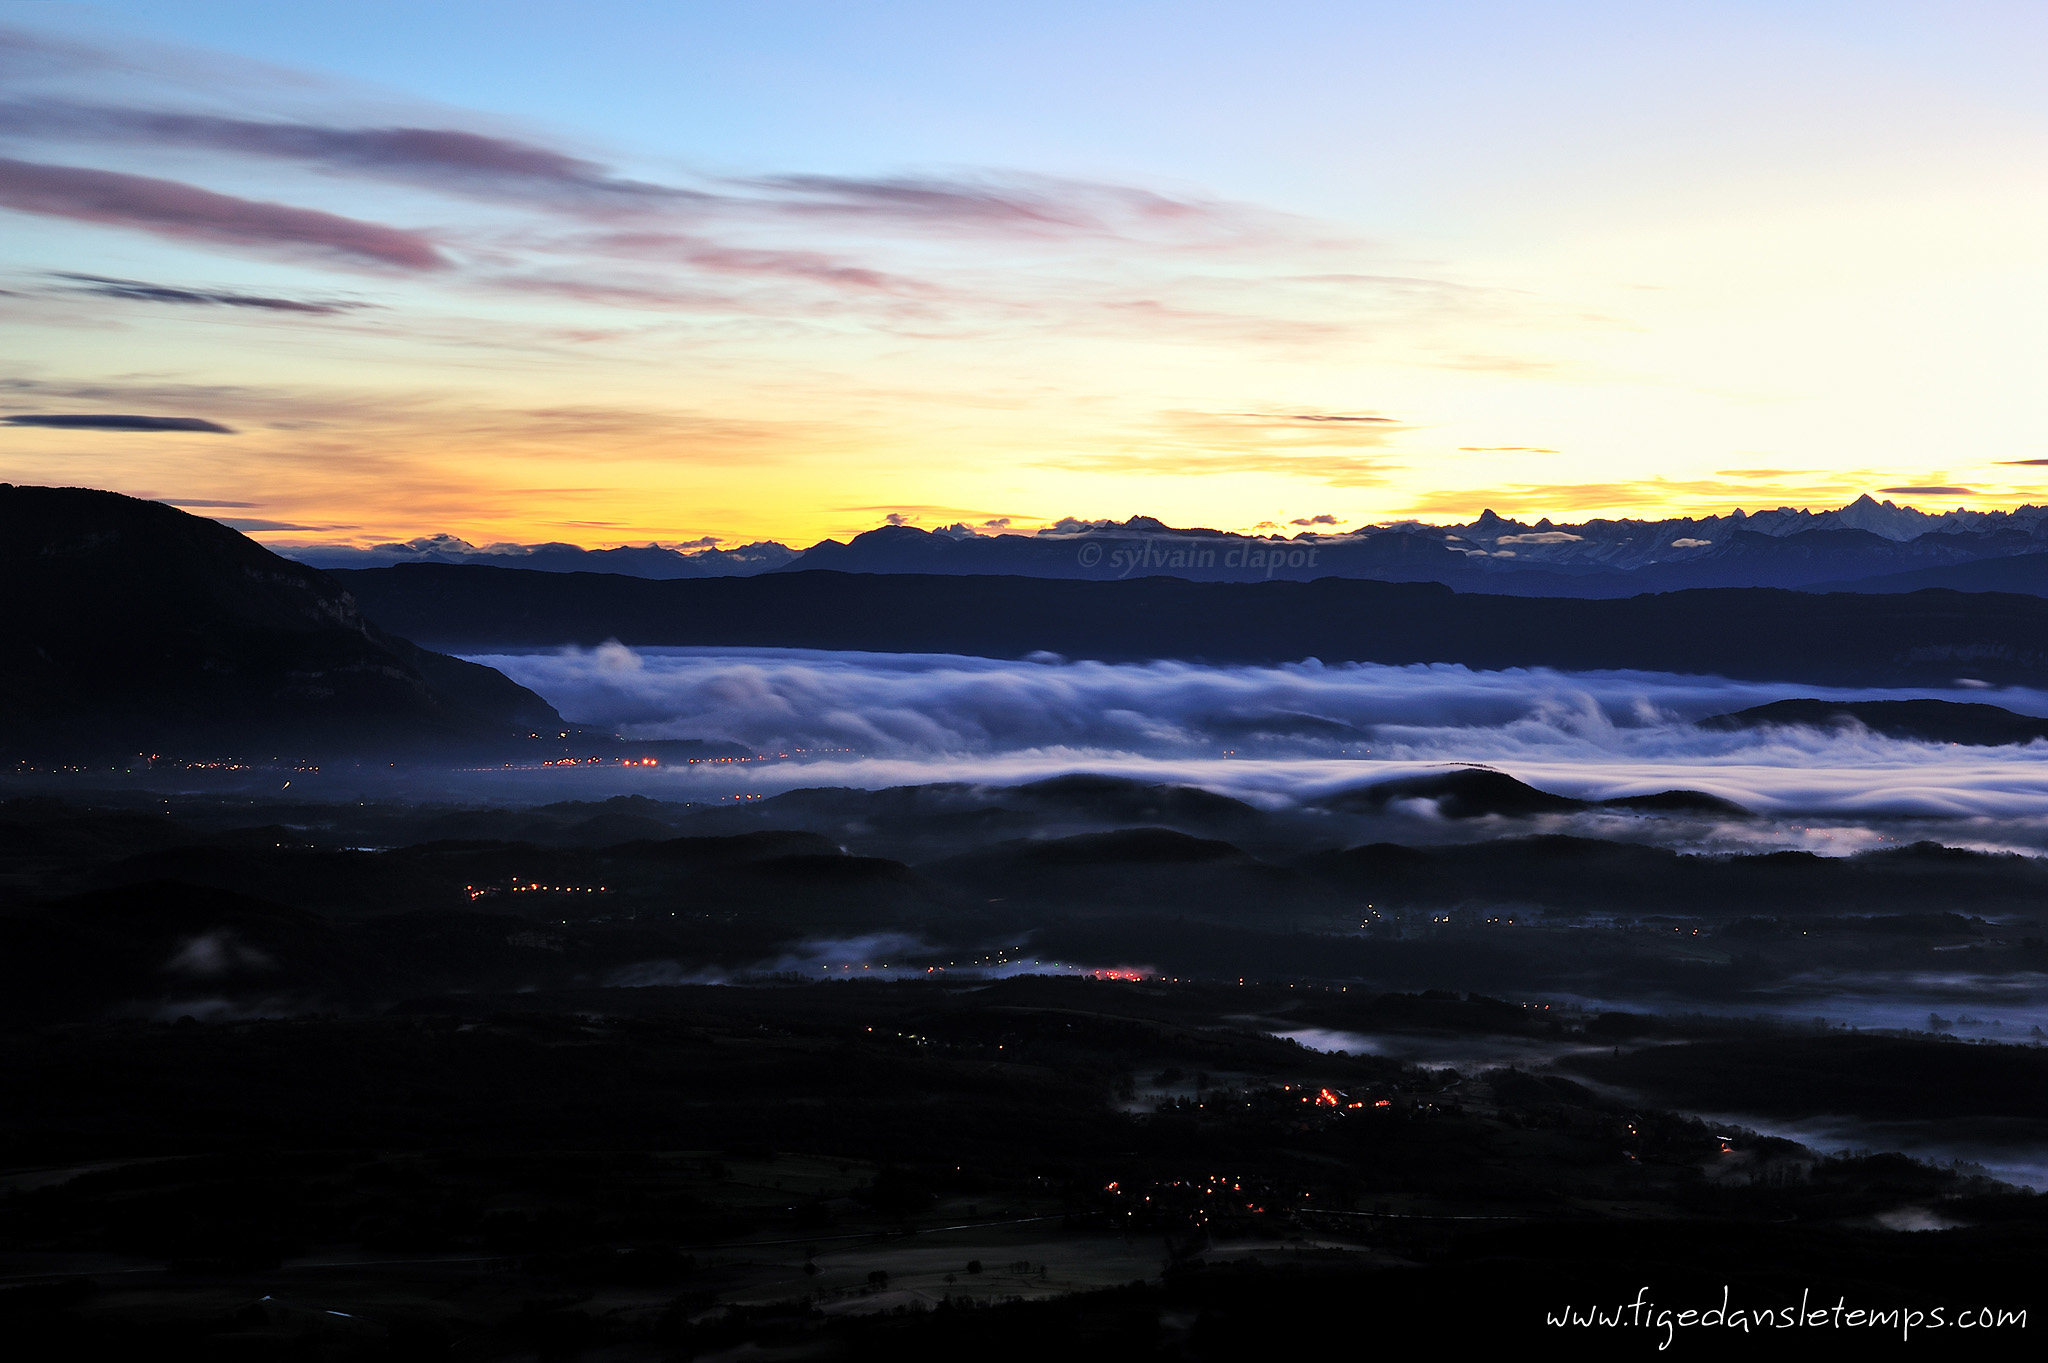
(623,272)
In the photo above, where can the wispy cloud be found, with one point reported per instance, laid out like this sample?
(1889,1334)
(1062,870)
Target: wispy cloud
(142,292)
(956,255)
(450,160)
(1247,442)
(478,165)
(1008,204)
(316,455)
(904,253)
(244,523)
(584,285)
(818,267)
(1702,494)
(930,512)
(503,245)
(168,208)
(93,421)
(1311,416)
(318,414)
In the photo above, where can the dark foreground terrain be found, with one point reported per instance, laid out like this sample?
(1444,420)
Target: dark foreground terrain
(910,1169)
(645,1081)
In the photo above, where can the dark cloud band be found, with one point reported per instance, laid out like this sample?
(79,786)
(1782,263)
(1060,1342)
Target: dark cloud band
(94,421)
(141,291)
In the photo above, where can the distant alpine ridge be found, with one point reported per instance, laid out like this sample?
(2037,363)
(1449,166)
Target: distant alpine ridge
(1867,546)
(661,562)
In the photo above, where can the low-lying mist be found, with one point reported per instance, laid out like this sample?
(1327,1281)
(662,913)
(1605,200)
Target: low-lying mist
(879,956)
(1276,735)
(939,705)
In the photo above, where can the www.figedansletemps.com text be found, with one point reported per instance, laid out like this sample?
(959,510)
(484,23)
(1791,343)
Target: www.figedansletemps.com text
(1644,1313)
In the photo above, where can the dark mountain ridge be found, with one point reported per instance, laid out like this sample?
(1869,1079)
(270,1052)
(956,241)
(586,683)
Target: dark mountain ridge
(129,627)
(1919,639)
(2026,573)
(1927,721)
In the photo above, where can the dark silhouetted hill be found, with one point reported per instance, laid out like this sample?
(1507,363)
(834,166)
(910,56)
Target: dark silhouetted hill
(1928,721)
(2026,573)
(1678,802)
(1156,867)
(1468,793)
(127,626)
(1576,875)
(1926,638)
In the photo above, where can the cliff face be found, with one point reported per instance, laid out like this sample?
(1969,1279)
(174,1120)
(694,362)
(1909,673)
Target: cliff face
(128,626)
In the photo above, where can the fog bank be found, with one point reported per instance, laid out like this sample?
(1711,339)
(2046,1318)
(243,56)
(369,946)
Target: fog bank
(1275,735)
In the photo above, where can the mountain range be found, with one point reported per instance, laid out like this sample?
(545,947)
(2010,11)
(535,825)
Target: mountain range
(1866,546)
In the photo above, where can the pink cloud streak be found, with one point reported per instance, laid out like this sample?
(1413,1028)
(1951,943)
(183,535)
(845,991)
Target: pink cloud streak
(180,211)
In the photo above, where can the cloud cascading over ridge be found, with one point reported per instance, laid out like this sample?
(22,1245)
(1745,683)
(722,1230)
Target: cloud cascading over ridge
(1286,732)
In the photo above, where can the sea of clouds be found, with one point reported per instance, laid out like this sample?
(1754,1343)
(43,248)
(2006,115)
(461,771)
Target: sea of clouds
(1282,736)
(1276,735)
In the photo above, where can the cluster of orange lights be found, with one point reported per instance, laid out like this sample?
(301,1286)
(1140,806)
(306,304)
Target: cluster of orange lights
(766,756)
(151,760)
(1208,1187)
(531,887)
(1334,1098)
(601,762)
